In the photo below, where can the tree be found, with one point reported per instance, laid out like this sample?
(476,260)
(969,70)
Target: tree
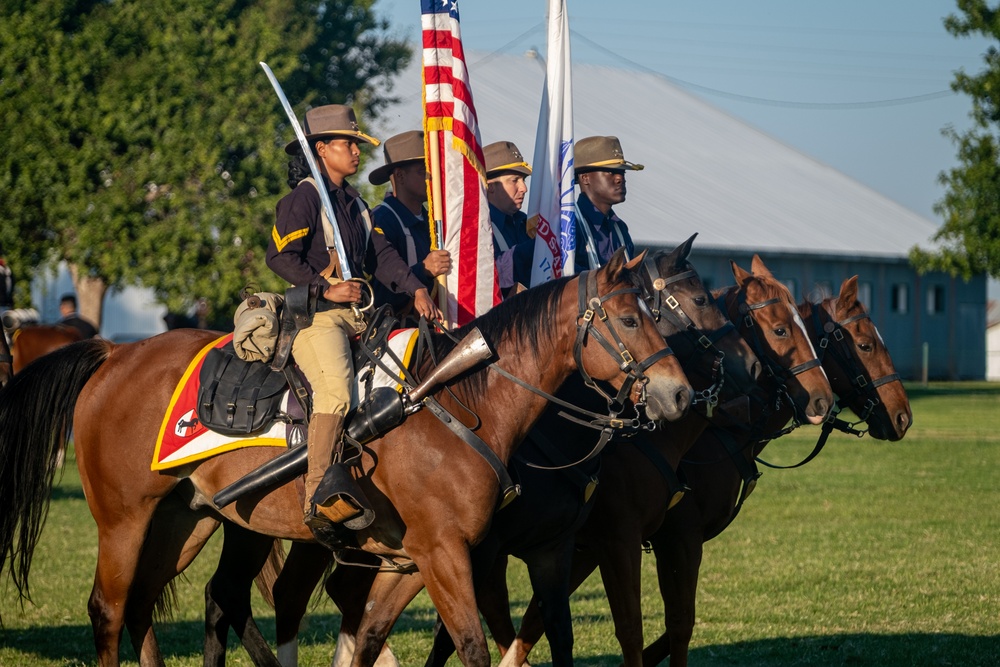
(143,143)
(969,239)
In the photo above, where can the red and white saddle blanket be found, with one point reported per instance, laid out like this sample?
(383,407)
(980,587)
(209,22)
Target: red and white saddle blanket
(184,439)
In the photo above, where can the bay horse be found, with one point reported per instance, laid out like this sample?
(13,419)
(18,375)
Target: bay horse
(434,496)
(538,527)
(32,341)
(862,375)
(624,517)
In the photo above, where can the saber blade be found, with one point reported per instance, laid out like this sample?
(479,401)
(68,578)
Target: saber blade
(324,196)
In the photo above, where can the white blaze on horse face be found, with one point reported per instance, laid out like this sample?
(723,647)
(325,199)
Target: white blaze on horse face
(805,334)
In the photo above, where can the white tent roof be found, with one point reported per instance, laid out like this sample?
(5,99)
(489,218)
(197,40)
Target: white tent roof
(706,171)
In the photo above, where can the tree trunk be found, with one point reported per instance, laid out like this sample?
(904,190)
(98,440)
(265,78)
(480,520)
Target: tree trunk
(89,295)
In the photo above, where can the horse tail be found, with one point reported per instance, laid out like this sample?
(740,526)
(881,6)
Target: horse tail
(269,573)
(36,417)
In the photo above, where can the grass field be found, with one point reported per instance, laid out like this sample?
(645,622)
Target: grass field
(873,554)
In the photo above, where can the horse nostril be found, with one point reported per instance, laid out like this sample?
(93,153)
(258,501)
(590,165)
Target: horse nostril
(902,421)
(683,399)
(821,406)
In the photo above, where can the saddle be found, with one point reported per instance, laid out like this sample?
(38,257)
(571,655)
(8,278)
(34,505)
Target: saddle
(240,398)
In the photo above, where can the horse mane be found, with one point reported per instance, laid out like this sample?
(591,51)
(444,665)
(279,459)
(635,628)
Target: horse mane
(520,320)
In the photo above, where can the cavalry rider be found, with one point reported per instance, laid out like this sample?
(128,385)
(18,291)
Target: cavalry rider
(298,253)
(513,245)
(600,169)
(402,219)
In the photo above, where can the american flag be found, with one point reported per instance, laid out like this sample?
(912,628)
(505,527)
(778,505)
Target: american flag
(455,160)
(551,207)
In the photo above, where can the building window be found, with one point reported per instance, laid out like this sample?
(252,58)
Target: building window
(935,299)
(900,298)
(865,295)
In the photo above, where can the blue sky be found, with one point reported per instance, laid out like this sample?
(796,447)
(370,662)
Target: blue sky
(827,78)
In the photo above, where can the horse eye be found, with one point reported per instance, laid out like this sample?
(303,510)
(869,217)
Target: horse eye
(630,322)
(780,332)
(865,347)
(700,301)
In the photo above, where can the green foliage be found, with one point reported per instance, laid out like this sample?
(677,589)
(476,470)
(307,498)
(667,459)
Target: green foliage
(969,240)
(143,143)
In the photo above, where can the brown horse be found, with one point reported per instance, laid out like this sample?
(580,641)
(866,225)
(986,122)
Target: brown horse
(624,515)
(32,341)
(434,496)
(862,375)
(539,526)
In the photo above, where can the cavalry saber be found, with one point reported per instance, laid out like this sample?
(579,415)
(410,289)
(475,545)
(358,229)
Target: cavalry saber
(324,196)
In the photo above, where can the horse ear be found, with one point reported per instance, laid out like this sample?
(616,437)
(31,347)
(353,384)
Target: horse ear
(848,296)
(758,267)
(741,276)
(615,265)
(678,255)
(634,263)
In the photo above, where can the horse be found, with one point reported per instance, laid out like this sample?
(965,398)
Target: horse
(32,341)
(538,527)
(862,375)
(433,499)
(624,517)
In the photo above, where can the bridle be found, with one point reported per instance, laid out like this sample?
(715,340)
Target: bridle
(664,305)
(834,340)
(591,307)
(775,371)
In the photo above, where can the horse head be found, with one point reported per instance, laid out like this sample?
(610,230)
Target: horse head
(618,342)
(768,318)
(858,364)
(713,353)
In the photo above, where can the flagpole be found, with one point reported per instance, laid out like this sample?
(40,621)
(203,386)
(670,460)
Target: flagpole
(437,215)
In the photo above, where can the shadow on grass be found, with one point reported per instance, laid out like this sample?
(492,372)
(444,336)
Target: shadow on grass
(73,645)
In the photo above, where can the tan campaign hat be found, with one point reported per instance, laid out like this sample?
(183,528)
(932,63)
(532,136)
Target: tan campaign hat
(504,156)
(331,120)
(399,149)
(591,153)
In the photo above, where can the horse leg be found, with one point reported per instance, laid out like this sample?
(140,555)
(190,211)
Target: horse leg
(620,571)
(493,598)
(118,551)
(227,597)
(532,624)
(548,570)
(387,597)
(350,587)
(164,556)
(678,559)
(302,570)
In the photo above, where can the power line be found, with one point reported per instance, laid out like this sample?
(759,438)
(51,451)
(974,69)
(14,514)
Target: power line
(871,104)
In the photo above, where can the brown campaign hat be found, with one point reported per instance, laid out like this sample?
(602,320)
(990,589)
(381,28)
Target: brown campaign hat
(504,156)
(592,153)
(399,149)
(331,120)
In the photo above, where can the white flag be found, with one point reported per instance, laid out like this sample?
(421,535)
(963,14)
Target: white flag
(553,198)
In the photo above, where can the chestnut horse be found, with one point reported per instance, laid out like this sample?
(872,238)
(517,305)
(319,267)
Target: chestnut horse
(863,377)
(538,527)
(434,496)
(32,341)
(624,517)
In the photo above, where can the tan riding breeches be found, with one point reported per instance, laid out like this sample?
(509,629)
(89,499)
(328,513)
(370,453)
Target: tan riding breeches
(323,352)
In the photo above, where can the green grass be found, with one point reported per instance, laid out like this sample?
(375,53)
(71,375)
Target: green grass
(873,554)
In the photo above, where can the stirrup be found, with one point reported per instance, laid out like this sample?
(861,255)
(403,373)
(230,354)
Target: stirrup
(339,498)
